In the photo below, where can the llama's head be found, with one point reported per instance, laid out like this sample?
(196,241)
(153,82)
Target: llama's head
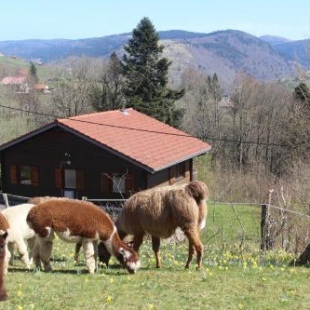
(198,190)
(128,258)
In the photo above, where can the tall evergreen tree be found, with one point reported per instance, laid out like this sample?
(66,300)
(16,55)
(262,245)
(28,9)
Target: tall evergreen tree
(146,75)
(33,73)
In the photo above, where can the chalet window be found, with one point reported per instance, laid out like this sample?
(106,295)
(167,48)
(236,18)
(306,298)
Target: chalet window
(116,183)
(69,178)
(178,172)
(26,175)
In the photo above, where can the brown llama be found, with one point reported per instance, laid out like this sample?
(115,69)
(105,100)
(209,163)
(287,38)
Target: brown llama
(39,199)
(4,226)
(77,221)
(159,212)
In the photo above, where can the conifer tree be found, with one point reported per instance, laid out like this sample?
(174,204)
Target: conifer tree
(33,73)
(146,73)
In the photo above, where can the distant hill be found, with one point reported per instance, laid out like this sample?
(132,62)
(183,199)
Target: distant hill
(224,52)
(274,39)
(297,51)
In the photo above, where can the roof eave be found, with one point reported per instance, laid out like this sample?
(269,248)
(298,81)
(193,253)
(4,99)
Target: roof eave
(202,152)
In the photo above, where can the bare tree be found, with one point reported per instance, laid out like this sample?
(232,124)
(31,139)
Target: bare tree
(71,93)
(106,92)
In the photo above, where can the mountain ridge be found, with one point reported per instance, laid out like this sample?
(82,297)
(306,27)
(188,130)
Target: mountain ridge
(225,52)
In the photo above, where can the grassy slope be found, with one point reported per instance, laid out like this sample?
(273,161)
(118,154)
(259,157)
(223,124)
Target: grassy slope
(229,284)
(232,278)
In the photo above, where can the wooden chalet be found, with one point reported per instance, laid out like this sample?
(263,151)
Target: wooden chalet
(106,155)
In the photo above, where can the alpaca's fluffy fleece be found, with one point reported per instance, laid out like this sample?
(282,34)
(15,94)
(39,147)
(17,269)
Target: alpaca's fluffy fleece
(20,235)
(159,211)
(77,221)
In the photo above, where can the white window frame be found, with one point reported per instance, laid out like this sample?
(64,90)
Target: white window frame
(118,183)
(70,178)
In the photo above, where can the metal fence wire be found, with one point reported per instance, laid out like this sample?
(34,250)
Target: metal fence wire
(245,225)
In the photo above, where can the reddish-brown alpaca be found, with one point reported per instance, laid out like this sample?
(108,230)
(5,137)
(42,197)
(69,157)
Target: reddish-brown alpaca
(77,221)
(4,226)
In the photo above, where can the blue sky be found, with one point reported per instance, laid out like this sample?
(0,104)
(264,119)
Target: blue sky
(68,19)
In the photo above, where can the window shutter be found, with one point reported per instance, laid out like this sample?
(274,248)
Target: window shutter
(14,174)
(80,180)
(58,178)
(35,176)
(106,182)
(172,173)
(129,184)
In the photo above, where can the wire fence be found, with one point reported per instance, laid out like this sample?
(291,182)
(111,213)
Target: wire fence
(241,225)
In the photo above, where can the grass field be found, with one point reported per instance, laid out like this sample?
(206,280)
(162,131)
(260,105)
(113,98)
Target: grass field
(233,276)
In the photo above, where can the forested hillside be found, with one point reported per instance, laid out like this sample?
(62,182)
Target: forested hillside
(224,52)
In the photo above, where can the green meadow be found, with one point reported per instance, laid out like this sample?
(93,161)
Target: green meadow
(235,275)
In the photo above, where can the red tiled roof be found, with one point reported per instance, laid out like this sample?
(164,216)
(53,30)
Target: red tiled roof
(16,80)
(138,137)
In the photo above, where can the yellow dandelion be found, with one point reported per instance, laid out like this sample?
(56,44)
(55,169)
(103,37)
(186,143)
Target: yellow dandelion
(109,299)
(151,306)
(20,307)
(86,280)
(19,293)
(111,280)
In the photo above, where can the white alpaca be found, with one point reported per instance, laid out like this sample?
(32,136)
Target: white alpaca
(19,234)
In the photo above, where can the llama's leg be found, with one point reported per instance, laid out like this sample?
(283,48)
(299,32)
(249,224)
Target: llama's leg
(156,246)
(10,252)
(77,251)
(89,252)
(46,248)
(6,259)
(22,249)
(194,244)
(36,254)
(31,245)
(137,241)
(103,254)
(95,244)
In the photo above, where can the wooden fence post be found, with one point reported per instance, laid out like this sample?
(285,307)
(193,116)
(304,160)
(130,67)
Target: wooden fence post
(263,226)
(267,229)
